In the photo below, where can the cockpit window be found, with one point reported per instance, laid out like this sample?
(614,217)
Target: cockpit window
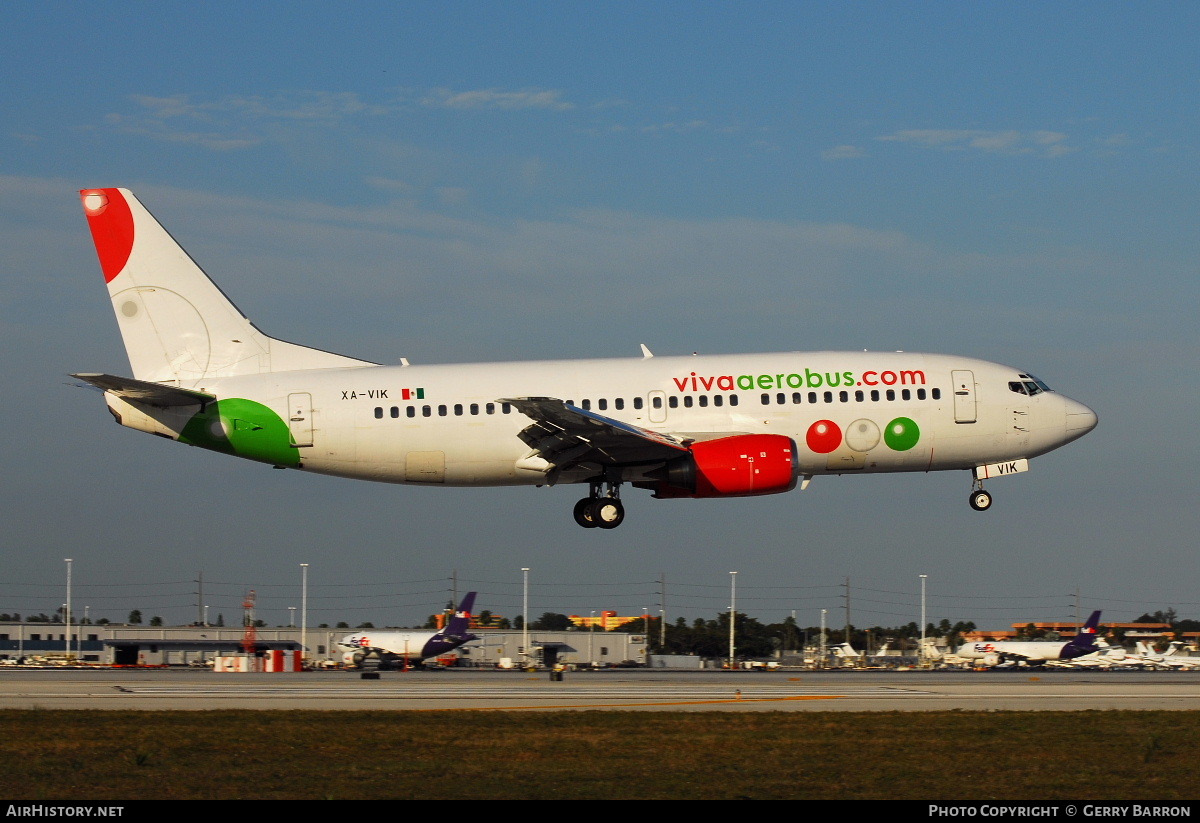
(1030,384)
(1017,386)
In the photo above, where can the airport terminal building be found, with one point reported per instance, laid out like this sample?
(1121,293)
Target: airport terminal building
(119,644)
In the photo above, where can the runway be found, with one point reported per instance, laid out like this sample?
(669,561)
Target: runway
(625,690)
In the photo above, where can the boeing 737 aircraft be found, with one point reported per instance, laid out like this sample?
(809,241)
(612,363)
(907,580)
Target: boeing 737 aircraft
(699,427)
(1034,652)
(413,646)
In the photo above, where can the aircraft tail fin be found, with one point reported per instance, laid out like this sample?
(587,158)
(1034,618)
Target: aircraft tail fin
(1084,642)
(178,326)
(460,623)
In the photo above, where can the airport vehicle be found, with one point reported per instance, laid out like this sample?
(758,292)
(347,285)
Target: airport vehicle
(412,647)
(1033,652)
(681,427)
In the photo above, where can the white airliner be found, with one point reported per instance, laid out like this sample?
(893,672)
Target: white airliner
(412,647)
(701,427)
(1034,652)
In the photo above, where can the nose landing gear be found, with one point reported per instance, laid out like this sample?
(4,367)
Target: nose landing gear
(980,500)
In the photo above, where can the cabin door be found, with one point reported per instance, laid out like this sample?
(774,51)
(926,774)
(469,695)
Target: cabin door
(964,396)
(300,418)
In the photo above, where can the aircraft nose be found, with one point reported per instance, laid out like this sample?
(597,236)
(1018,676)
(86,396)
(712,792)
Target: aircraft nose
(1080,419)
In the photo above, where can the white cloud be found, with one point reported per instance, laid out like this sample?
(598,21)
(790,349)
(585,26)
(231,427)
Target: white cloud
(1008,141)
(843,153)
(496,99)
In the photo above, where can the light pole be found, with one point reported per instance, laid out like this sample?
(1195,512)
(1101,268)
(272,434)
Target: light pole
(303,611)
(525,615)
(921,651)
(592,640)
(821,659)
(67,607)
(732,613)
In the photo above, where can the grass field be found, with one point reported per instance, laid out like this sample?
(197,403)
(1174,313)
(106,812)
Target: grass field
(982,756)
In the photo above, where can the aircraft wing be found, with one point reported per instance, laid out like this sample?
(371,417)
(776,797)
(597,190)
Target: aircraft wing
(1027,659)
(566,436)
(154,394)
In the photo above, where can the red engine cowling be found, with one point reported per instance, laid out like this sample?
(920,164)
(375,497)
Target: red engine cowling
(737,466)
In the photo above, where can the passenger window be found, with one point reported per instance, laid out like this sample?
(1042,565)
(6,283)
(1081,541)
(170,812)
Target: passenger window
(656,402)
(766,399)
(844,396)
(687,401)
(379,412)
(891,394)
(718,400)
(920,394)
(859,396)
(619,403)
(426,411)
(490,408)
(812,397)
(586,405)
(442,411)
(602,404)
(733,399)
(874,395)
(906,394)
(797,397)
(936,394)
(474,408)
(395,411)
(506,408)
(673,402)
(637,403)
(411,411)
(828,397)
(703,401)
(458,409)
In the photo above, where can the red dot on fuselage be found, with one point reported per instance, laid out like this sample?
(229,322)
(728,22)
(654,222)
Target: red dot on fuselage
(823,436)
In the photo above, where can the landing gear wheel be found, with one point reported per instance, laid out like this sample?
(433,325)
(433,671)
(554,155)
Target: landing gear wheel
(583,513)
(607,512)
(980,500)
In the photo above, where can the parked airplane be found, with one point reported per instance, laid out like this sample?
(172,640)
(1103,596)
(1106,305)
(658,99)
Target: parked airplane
(1033,652)
(1145,655)
(698,427)
(413,646)
(1104,657)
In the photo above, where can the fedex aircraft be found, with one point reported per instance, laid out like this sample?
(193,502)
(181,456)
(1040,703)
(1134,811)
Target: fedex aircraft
(413,646)
(1034,652)
(709,426)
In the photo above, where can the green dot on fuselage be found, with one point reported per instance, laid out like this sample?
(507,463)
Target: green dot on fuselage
(901,434)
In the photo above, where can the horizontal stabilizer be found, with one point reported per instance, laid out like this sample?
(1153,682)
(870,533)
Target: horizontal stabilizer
(154,394)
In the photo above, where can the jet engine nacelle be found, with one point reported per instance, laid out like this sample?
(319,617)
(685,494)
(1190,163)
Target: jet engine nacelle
(738,466)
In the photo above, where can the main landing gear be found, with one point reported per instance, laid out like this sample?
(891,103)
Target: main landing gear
(980,500)
(600,512)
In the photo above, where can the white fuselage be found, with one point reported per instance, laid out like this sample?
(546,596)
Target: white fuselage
(445,424)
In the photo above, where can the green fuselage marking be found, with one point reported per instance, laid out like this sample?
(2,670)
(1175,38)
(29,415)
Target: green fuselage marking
(243,428)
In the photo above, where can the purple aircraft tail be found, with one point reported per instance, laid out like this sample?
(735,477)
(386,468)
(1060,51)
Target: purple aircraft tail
(1084,642)
(460,624)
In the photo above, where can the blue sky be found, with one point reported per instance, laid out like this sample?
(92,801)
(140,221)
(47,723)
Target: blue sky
(476,181)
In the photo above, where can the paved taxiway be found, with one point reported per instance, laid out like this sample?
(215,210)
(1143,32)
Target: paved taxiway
(648,690)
